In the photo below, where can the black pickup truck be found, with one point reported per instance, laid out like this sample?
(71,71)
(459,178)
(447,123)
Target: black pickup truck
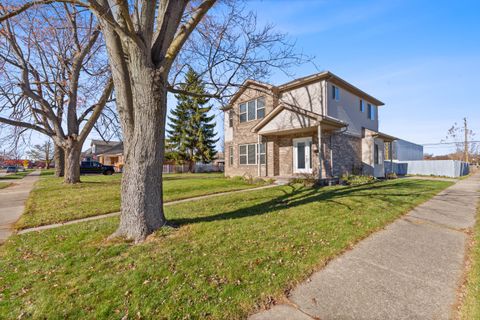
(95,167)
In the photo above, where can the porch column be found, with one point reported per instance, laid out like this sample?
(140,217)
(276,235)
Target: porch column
(320,151)
(390,155)
(259,169)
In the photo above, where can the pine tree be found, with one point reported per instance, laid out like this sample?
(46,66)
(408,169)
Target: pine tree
(192,131)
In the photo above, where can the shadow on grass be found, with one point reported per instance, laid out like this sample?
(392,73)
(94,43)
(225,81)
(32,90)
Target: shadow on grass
(297,196)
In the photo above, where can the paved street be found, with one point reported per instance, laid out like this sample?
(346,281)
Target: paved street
(410,270)
(12,202)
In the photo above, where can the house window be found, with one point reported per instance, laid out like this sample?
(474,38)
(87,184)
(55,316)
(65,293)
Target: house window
(336,93)
(376,155)
(248,154)
(252,110)
(230,155)
(260,108)
(252,154)
(230,118)
(371,112)
(243,154)
(261,152)
(243,112)
(362,106)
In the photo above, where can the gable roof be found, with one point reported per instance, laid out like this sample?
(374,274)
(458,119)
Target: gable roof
(312,115)
(101,146)
(329,76)
(249,83)
(300,82)
(118,148)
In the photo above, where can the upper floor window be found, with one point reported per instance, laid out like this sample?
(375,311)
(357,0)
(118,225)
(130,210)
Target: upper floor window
(371,112)
(336,93)
(362,106)
(230,118)
(252,110)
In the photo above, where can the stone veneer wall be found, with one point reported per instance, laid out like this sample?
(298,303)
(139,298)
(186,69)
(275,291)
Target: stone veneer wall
(347,154)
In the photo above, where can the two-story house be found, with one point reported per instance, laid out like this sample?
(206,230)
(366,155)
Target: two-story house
(274,131)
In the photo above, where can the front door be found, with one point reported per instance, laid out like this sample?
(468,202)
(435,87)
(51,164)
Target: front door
(302,155)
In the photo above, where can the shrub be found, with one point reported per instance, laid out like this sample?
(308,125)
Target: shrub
(354,180)
(392,175)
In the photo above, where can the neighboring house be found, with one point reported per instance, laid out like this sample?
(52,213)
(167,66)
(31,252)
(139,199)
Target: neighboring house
(273,131)
(219,159)
(106,152)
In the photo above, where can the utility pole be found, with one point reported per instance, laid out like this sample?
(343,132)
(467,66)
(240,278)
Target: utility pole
(465,129)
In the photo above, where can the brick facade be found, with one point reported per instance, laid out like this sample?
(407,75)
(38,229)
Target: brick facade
(346,152)
(242,133)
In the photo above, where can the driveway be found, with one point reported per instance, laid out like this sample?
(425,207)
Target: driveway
(12,202)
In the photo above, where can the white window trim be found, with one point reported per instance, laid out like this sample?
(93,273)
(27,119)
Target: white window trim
(246,154)
(240,113)
(264,153)
(256,109)
(231,157)
(308,145)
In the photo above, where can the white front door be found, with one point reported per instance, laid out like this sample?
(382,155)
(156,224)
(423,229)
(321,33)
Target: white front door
(302,155)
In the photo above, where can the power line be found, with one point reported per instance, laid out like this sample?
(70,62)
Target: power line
(448,143)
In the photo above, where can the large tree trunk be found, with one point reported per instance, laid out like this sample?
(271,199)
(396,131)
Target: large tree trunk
(72,162)
(142,202)
(59,158)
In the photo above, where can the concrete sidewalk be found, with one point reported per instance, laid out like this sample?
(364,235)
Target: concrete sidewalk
(12,202)
(410,270)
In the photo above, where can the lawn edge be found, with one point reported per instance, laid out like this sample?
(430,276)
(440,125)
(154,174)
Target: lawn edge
(270,301)
(7,184)
(60,223)
(464,298)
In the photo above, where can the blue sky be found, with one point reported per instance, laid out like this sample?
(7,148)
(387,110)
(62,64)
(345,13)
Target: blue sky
(422,58)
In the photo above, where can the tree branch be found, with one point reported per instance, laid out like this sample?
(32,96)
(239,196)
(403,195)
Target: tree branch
(24,125)
(184,32)
(30,4)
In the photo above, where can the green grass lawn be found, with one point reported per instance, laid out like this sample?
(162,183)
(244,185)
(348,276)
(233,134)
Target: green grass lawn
(230,256)
(471,306)
(52,201)
(4,184)
(17,175)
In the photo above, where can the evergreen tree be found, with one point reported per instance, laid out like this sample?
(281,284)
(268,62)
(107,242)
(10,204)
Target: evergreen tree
(192,131)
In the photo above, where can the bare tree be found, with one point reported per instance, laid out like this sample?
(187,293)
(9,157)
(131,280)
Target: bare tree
(150,44)
(42,152)
(463,139)
(54,78)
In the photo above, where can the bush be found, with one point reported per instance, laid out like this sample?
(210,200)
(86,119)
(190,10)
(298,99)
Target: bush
(392,175)
(355,180)
(307,180)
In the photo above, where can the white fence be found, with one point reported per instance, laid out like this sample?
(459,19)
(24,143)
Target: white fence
(447,168)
